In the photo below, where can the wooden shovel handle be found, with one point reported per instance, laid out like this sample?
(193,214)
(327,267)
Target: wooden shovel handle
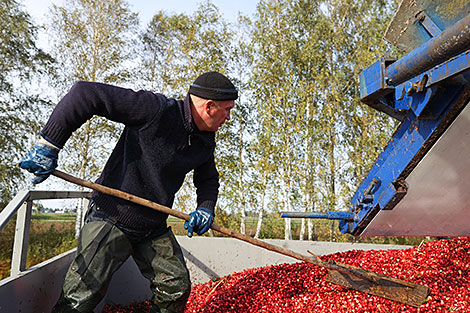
(223,230)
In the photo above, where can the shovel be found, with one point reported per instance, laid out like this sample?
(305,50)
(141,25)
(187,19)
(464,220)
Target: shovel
(338,273)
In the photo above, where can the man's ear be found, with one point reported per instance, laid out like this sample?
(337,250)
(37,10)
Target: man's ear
(208,106)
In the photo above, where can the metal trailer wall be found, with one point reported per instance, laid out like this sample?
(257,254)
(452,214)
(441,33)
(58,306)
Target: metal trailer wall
(37,289)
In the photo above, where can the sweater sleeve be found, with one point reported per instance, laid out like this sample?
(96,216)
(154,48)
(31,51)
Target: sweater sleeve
(206,180)
(85,99)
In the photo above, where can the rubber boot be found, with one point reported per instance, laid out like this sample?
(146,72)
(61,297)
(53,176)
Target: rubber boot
(63,306)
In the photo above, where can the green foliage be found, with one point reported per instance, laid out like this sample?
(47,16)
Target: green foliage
(299,138)
(234,153)
(272,228)
(230,221)
(274,77)
(6,242)
(176,48)
(47,239)
(20,62)
(308,58)
(91,39)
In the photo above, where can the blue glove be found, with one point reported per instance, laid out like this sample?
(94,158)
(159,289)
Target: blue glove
(41,161)
(199,221)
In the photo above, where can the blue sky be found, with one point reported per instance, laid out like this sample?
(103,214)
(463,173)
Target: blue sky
(147,8)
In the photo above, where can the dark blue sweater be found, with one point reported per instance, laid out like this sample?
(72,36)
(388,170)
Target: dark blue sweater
(159,145)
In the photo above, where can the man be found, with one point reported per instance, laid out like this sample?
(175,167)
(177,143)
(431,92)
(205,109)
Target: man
(162,141)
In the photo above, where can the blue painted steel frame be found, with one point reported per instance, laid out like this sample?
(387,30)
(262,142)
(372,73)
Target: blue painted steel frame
(321,215)
(420,90)
(451,42)
(427,107)
(384,86)
(389,169)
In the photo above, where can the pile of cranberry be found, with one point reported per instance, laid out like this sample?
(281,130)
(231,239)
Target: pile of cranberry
(442,265)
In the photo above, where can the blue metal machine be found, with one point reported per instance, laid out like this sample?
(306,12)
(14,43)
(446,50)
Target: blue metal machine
(420,184)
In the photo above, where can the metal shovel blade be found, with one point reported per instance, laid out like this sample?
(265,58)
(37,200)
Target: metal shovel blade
(383,286)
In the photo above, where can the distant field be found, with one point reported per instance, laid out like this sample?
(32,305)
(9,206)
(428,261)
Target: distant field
(50,235)
(54,217)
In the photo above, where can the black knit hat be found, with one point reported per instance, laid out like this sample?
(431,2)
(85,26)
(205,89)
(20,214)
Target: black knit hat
(214,86)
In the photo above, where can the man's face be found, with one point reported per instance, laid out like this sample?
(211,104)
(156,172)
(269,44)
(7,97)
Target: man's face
(217,113)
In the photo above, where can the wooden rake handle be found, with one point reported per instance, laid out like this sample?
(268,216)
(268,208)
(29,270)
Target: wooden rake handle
(220,229)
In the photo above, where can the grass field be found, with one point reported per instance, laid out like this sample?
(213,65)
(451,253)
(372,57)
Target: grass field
(50,235)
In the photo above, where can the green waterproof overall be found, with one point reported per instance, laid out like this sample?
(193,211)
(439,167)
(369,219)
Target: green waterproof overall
(103,248)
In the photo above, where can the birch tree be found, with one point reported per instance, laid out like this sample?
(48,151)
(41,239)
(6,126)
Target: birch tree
(310,28)
(235,139)
(275,78)
(22,65)
(176,48)
(308,54)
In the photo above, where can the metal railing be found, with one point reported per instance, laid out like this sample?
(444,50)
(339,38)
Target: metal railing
(22,204)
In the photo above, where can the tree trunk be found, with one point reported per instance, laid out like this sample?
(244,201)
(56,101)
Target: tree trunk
(261,211)
(311,230)
(240,183)
(258,225)
(287,229)
(302,229)
(332,232)
(288,206)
